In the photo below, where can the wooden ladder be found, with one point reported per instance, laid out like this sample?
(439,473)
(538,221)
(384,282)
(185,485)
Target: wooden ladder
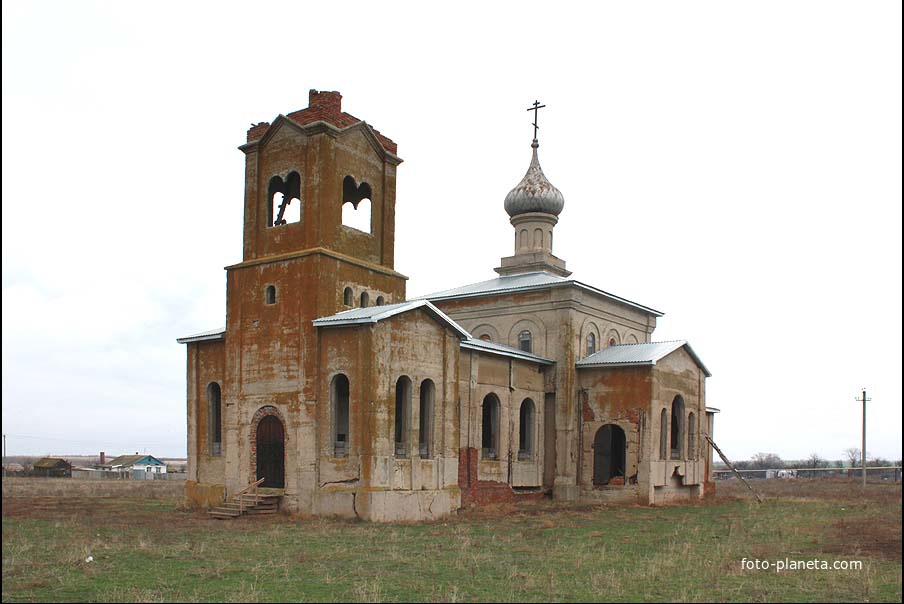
(247,501)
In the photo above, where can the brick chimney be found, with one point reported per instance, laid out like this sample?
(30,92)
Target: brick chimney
(325,102)
(103,458)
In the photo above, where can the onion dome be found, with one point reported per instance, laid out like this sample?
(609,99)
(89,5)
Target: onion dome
(534,193)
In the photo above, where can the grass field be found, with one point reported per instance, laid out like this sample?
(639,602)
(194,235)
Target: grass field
(146,548)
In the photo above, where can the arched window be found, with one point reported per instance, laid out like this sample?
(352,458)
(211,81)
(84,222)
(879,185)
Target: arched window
(270,295)
(348,297)
(663,435)
(486,337)
(425,419)
(526,430)
(490,427)
(380,301)
(612,342)
(591,344)
(214,419)
(677,426)
(402,415)
(365,299)
(524,341)
(339,399)
(691,436)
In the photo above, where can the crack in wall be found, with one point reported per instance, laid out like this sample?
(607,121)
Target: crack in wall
(350,481)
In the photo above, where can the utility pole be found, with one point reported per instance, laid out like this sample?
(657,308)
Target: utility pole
(863,447)
(4,455)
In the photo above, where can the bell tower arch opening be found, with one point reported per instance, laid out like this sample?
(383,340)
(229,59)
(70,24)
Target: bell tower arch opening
(284,200)
(356,205)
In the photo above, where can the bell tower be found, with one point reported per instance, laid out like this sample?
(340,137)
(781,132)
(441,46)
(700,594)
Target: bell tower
(307,169)
(300,260)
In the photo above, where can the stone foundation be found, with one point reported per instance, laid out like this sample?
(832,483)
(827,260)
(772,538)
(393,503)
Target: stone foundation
(201,495)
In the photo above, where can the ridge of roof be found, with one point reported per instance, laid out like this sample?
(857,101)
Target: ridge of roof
(49,462)
(123,460)
(375,314)
(527,282)
(646,353)
(501,349)
(497,284)
(210,334)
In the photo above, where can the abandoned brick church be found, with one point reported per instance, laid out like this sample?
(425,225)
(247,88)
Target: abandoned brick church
(351,400)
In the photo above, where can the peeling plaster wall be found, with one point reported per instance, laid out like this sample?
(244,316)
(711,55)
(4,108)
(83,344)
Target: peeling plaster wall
(619,396)
(374,357)
(271,357)
(512,381)
(561,316)
(633,399)
(678,374)
(205,365)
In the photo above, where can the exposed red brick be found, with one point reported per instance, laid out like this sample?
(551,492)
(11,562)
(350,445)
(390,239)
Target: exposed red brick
(257,131)
(327,107)
(481,492)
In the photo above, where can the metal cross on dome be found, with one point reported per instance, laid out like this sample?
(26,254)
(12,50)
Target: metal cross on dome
(537,106)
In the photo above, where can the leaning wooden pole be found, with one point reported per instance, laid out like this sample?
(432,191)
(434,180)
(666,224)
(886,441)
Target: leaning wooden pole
(728,463)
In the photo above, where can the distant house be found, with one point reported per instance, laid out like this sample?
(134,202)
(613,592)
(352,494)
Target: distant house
(52,466)
(137,463)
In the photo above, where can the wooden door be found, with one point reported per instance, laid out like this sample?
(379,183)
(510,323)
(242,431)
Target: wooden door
(602,443)
(271,452)
(608,454)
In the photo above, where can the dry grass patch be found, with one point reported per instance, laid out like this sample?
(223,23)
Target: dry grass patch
(148,549)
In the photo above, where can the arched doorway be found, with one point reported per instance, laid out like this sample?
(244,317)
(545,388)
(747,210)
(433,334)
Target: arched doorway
(608,454)
(271,452)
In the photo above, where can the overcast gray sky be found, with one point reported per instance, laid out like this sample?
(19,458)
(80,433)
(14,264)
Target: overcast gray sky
(734,165)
